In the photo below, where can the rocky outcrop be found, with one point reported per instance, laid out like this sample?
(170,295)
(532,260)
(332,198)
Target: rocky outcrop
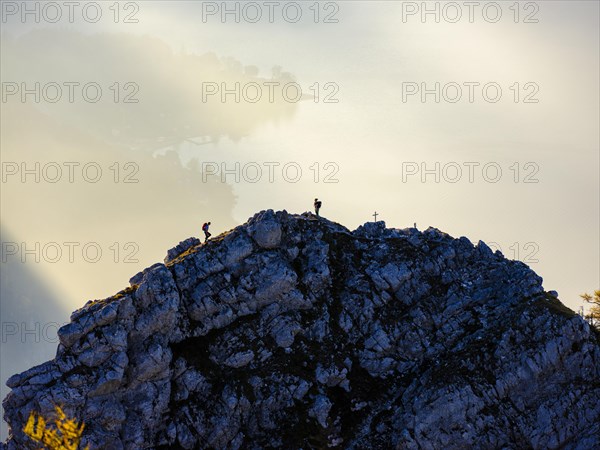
(293,332)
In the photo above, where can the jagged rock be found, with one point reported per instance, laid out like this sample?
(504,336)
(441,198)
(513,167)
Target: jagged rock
(293,332)
(266,232)
(320,410)
(239,359)
(180,248)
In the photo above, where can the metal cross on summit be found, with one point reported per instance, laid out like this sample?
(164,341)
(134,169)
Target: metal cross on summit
(375,215)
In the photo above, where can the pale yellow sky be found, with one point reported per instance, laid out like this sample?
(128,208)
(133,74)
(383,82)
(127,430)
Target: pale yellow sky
(367,137)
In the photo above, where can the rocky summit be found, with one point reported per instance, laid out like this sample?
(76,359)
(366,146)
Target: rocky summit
(292,332)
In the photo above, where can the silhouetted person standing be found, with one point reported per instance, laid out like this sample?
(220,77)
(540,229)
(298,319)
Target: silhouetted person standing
(205,229)
(317,206)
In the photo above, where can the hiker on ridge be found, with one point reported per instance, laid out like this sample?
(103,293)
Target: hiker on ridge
(317,206)
(205,229)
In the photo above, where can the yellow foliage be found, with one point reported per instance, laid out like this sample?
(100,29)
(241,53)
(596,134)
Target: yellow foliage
(65,435)
(594,312)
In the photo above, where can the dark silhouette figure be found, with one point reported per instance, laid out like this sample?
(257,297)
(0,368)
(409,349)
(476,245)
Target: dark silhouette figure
(205,229)
(317,206)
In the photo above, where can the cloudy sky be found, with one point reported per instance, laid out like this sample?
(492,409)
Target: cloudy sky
(153,117)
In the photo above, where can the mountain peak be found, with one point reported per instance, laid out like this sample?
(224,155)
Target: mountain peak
(291,331)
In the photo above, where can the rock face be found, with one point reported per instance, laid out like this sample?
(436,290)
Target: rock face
(292,332)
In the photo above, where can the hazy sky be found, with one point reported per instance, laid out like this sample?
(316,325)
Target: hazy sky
(519,170)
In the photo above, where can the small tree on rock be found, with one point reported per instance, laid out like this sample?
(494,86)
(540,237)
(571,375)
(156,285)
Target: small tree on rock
(593,315)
